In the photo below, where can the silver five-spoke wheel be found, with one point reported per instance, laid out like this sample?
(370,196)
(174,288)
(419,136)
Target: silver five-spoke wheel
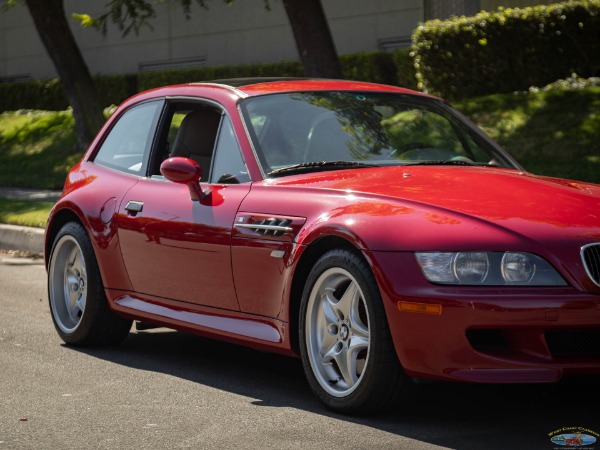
(78,303)
(345,343)
(67,284)
(337,331)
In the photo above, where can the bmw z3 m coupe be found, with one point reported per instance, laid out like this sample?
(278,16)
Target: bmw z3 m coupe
(369,230)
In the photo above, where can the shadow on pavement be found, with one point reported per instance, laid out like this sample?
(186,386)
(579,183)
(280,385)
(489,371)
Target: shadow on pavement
(459,416)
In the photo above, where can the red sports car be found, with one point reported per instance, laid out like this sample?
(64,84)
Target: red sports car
(370,230)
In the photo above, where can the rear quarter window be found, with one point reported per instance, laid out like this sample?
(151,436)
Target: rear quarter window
(128,142)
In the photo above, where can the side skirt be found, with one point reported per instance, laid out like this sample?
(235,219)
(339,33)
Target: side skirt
(246,329)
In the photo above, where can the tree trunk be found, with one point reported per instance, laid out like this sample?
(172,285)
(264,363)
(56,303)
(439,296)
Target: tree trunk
(52,26)
(313,38)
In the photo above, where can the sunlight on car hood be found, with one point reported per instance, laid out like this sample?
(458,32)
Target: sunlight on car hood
(488,193)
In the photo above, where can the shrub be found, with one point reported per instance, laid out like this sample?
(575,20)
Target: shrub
(114,89)
(38,94)
(394,68)
(508,50)
(405,69)
(377,67)
(152,79)
(49,95)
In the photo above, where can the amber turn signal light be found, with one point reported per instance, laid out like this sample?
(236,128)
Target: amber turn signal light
(423,308)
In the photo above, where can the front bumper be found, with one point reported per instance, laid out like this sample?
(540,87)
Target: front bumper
(488,334)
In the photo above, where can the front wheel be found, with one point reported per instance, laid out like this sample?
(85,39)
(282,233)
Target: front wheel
(78,303)
(346,348)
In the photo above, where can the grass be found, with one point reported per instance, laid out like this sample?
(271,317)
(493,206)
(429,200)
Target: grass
(29,213)
(554,133)
(37,148)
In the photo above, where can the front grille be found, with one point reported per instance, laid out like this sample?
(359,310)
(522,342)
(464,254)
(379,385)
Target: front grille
(591,259)
(574,342)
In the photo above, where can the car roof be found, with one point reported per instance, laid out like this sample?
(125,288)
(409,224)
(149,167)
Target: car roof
(273,85)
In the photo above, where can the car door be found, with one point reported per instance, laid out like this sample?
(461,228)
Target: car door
(118,160)
(174,247)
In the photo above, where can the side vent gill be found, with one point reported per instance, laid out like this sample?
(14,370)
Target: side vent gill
(268,227)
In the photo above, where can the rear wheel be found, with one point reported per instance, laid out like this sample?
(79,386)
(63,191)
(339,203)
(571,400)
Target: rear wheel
(346,347)
(78,303)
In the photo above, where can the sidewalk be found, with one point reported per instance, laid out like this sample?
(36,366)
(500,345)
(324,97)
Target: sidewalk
(27,239)
(28,194)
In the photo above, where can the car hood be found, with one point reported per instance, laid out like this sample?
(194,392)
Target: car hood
(524,203)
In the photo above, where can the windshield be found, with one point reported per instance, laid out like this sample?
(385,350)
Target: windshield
(303,131)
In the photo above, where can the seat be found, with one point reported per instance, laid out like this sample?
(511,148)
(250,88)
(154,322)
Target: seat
(196,138)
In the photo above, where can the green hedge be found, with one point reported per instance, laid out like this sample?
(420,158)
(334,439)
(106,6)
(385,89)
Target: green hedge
(156,78)
(379,67)
(405,69)
(38,94)
(113,89)
(49,95)
(508,50)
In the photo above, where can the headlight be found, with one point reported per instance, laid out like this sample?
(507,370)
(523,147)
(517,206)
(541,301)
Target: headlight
(518,267)
(471,268)
(488,268)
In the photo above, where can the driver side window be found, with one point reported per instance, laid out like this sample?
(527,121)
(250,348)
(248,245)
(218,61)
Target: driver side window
(192,134)
(204,134)
(228,166)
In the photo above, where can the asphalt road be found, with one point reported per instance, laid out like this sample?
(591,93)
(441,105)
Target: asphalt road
(164,389)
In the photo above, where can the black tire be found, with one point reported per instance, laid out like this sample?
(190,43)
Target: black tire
(76,295)
(343,324)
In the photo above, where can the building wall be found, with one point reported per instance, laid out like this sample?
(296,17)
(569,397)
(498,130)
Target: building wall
(241,33)
(244,32)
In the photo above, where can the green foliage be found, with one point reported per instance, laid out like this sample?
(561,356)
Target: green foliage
(152,79)
(405,69)
(114,89)
(553,132)
(394,68)
(508,50)
(49,95)
(38,94)
(572,82)
(28,213)
(377,67)
(37,148)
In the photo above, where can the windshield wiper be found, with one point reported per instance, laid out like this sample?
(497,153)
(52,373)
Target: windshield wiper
(315,166)
(445,162)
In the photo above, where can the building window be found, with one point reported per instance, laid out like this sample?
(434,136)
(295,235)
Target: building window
(172,64)
(395,43)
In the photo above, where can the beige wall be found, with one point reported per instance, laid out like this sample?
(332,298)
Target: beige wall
(238,34)
(241,33)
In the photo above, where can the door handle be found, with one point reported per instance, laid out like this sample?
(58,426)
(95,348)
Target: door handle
(133,208)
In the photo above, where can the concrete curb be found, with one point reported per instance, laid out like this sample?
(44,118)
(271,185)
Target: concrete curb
(27,239)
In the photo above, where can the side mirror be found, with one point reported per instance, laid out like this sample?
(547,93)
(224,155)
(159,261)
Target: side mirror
(184,171)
